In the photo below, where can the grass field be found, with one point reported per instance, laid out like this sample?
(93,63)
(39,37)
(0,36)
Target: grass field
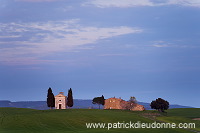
(17,120)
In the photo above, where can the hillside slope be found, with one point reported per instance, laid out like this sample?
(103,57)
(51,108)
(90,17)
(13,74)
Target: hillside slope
(17,120)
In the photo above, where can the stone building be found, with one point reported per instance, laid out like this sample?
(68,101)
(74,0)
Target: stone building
(113,103)
(138,107)
(118,103)
(60,101)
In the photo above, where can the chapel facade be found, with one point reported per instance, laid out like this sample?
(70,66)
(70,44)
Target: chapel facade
(60,101)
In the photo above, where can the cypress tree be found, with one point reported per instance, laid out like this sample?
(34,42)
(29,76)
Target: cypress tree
(102,100)
(50,98)
(70,102)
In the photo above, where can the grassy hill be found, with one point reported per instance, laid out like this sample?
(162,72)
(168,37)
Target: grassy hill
(18,120)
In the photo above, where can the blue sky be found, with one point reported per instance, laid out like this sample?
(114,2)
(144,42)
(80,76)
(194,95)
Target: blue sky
(142,48)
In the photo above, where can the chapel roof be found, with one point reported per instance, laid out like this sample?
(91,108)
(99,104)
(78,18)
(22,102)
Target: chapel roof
(61,94)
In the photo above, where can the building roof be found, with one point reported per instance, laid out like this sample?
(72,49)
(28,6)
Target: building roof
(61,94)
(115,98)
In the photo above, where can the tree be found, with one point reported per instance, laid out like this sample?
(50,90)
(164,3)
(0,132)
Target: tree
(132,102)
(99,101)
(160,104)
(102,100)
(70,102)
(50,99)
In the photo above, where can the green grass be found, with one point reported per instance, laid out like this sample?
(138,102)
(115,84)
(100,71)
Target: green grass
(182,116)
(16,120)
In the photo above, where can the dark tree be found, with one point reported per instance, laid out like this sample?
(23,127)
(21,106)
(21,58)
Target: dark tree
(70,102)
(50,99)
(102,100)
(99,101)
(160,104)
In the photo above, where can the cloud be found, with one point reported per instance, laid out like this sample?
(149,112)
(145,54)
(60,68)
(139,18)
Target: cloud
(12,36)
(32,41)
(194,3)
(128,3)
(134,3)
(160,44)
(174,44)
(119,3)
(114,55)
(37,0)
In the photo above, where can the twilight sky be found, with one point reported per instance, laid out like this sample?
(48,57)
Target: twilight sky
(122,48)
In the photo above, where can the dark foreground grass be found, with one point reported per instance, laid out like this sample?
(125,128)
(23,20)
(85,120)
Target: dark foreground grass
(15,120)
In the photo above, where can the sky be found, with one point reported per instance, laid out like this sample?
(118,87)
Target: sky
(144,48)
